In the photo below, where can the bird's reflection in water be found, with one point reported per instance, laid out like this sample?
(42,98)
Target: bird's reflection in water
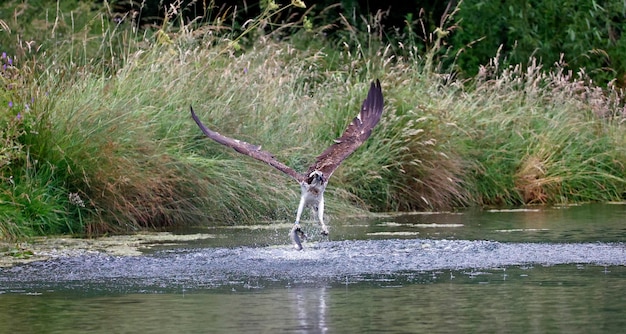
(309,306)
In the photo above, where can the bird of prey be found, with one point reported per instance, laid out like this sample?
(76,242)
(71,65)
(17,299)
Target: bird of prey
(314,181)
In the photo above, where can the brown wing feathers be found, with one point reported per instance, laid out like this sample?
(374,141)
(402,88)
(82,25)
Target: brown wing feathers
(357,132)
(247,149)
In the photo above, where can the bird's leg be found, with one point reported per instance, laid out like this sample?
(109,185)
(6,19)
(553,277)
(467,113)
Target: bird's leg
(300,209)
(320,215)
(296,233)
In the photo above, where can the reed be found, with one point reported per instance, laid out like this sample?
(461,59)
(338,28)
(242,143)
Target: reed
(99,139)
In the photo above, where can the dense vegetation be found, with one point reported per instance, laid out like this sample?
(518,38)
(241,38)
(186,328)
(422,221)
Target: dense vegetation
(96,134)
(579,34)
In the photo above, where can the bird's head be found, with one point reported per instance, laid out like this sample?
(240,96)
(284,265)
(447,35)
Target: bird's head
(315,178)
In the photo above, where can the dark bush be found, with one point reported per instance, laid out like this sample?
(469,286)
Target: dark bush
(588,33)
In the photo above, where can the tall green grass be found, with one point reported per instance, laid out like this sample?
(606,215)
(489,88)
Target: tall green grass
(104,141)
(542,137)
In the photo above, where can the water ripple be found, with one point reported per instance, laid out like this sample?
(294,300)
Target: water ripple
(325,262)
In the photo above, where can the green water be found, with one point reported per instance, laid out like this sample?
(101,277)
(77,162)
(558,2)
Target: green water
(566,298)
(584,223)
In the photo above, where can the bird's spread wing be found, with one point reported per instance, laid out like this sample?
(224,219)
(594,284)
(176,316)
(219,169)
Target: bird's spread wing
(247,149)
(356,133)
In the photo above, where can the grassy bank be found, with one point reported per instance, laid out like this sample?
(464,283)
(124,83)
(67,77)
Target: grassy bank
(99,139)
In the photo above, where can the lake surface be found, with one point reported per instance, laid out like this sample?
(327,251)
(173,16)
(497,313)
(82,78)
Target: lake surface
(543,270)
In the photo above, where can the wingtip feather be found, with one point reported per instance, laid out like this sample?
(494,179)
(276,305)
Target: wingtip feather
(193,114)
(374,102)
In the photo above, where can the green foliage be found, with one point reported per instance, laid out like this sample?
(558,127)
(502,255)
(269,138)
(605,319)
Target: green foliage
(541,138)
(96,134)
(34,203)
(588,33)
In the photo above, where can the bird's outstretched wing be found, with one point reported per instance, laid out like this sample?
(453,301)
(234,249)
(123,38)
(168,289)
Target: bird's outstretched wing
(247,149)
(356,133)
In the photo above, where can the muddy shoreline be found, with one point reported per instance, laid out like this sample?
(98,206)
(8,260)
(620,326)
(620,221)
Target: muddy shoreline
(46,248)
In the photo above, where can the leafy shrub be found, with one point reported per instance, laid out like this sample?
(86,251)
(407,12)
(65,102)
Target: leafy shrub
(588,33)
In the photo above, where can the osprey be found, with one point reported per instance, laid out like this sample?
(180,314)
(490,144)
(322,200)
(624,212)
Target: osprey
(314,181)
